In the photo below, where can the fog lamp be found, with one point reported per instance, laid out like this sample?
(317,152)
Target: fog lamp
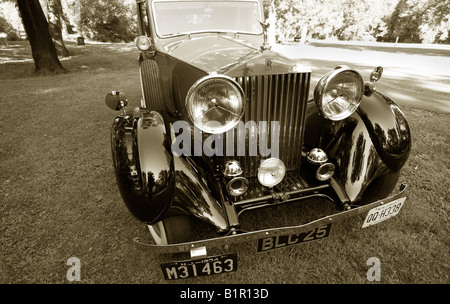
(317,156)
(271,172)
(232,168)
(143,43)
(325,171)
(237,186)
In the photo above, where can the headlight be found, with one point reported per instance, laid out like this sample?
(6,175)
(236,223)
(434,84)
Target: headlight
(338,94)
(215,104)
(143,43)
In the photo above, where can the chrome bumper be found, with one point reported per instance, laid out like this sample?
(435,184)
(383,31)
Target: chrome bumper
(266,233)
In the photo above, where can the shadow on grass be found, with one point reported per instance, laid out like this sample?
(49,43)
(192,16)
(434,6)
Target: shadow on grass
(16,60)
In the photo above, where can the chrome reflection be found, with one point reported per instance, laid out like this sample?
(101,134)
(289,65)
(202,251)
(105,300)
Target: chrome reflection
(237,186)
(387,122)
(325,171)
(146,186)
(193,195)
(154,159)
(358,160)
(317,156)
(232,168)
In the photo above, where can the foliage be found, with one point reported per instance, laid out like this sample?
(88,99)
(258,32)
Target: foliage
(8,29)
(344,19)
(7,26)
(108,20)
(426,21)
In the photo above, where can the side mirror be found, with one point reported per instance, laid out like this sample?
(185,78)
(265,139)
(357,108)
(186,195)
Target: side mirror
(116,100)
(369,86)
(376,74)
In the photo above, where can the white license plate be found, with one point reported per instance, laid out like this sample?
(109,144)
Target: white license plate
(201,267)
(383,212)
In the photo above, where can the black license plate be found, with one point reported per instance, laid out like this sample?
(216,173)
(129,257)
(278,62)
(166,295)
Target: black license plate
(202,267)
(281,241)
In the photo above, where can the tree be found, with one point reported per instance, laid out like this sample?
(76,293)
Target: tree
(54,15)
(105,21)
(43,50)
(436,25)
(426,21)
(362,20)
(341,19)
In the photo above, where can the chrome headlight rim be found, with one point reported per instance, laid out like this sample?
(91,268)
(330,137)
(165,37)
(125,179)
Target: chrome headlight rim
(323,85)
(143,43)
(228,126)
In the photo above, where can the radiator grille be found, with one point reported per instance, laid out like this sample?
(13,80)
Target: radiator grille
(279,98)
(152,87)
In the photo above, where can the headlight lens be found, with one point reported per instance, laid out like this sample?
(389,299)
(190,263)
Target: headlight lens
(271,172)
(143,43)
(339,93)
(215,104)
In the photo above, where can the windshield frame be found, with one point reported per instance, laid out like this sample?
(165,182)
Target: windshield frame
(157,33)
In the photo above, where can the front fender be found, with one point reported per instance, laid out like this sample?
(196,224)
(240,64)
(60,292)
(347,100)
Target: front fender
(388,128)
(143,164)
(357,159)
(373,141)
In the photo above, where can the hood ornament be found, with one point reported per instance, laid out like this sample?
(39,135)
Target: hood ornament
(265,25)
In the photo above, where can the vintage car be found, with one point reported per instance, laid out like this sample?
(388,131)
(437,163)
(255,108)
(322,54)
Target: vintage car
(226,126)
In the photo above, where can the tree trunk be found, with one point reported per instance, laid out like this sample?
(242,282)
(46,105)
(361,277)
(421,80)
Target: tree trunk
(79,22)
(42,47)
(54,20)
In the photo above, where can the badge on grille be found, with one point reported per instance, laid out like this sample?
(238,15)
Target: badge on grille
(269,66)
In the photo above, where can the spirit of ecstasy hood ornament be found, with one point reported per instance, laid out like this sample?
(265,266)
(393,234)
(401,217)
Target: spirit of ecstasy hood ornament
(265,25)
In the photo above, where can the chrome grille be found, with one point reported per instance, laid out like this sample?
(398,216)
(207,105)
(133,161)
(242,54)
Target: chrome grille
(279,98)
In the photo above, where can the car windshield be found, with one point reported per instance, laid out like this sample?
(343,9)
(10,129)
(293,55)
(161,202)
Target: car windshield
(182,17)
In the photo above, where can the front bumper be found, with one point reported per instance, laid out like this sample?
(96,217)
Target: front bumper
(269,233)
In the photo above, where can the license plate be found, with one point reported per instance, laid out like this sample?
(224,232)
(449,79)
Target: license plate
(202,267)
(383,212)
(281,241)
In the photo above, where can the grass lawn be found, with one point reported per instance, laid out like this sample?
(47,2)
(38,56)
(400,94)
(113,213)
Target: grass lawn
(59,197)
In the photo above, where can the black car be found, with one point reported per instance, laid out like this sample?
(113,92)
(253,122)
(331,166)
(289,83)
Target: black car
(225,126)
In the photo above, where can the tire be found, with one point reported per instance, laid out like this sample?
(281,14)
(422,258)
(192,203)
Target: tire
(381,188)
(171,230)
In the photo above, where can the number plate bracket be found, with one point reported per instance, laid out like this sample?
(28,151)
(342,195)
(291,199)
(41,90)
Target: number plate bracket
(198,252)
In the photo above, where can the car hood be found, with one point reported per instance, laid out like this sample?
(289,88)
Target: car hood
(229,56)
